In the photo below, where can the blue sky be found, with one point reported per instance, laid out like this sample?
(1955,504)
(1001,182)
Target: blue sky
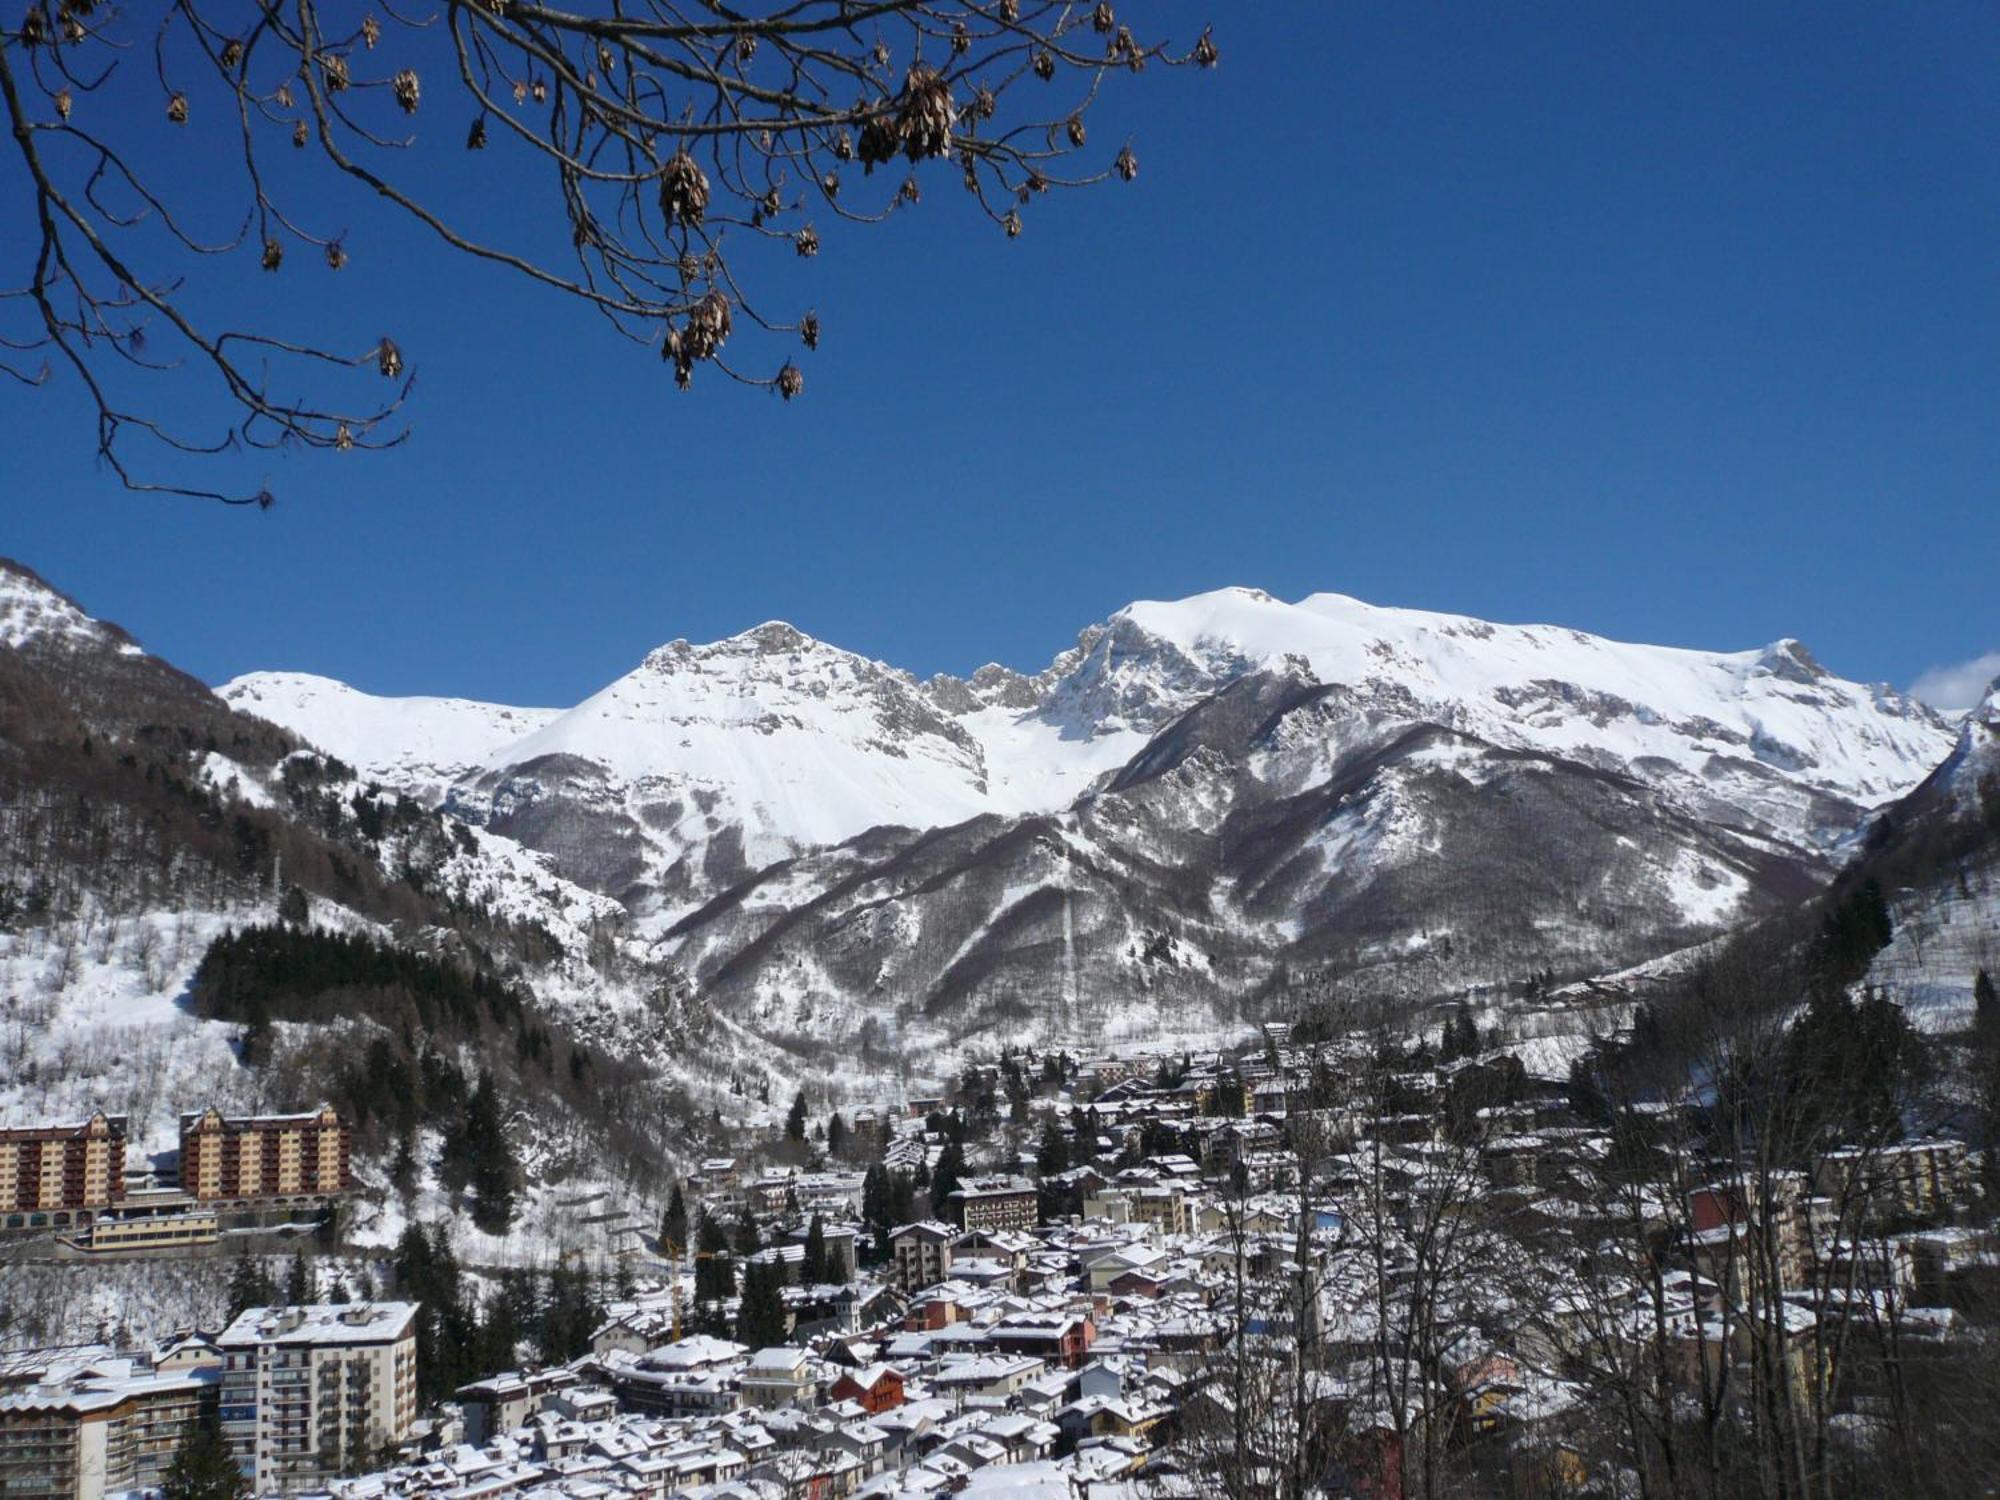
(1678,326)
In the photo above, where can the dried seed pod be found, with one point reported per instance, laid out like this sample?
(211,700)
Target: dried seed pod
(806,242)
(674,349)
(72,29)
(406,89)
(1074,130)
(927,115)
(909,192)
(1204,51)
(388,358)
(746,48)
(879,140)
(265,499)
(1127,164)
(1102,19)
(34,27)
(336,255)
(708,324)
(1045,66)
(232,53)
(881,54)
(607,60)
(961,40)
(790,381)
(334,67)
(343,438)
(520,92)
(1011,222)
(830,184)
(274,255)
(475,138)
(983,102)
(177,109)
(843,146)
(539,90)
(683,190)
(63,103)
(809,330)
(371,32)
(771,204)
(1010,11)
(282,96)
(1037,183)
(300,135)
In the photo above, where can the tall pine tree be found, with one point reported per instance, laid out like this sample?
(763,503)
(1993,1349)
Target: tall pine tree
(813,1268)
(674,1224)
(203,1469)
(760,1319)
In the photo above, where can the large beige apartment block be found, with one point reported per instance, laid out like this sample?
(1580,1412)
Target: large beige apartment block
(54,1176)
(228,1158)
(311,1392)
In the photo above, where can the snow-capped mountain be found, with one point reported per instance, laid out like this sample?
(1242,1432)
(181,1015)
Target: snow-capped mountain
(707,763)
(1198,799)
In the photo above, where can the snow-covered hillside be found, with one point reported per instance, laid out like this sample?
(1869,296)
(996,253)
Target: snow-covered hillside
(419,746)
(813,858)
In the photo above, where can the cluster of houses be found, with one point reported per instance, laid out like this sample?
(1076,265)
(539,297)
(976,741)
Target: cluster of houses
(1069,1334)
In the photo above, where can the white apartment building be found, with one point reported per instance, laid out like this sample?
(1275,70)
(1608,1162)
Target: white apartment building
(310,1392)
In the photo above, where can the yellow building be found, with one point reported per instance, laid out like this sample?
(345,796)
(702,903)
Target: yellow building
(55,1176)
(239,1158)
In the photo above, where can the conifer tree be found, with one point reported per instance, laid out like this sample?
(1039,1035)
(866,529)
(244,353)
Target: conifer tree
(488,1160)
(795,1121)
(1985,1008)
(203,1468)
(945,1176)
(299,1283)
(760,1320)
(674,1222)
(1052,1156)
(714,1272)
(249,1286)
(836,1135)
(813,1268)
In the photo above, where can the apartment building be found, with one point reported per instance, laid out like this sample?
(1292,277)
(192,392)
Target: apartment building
(922,1253)
(56,1176)
(228,1158)
(98,1428)
(308,1392)
(997,1203)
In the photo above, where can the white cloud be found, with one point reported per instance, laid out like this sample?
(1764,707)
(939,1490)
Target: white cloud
(1956,688)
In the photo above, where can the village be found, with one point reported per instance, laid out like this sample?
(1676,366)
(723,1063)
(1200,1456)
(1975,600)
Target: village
(1085,1278)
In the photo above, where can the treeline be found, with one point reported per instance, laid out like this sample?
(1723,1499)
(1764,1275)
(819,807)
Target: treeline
(261,974)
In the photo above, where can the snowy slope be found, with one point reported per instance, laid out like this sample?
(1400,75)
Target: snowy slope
(34,614)
(1939,857)
(419,746)
(1537,687)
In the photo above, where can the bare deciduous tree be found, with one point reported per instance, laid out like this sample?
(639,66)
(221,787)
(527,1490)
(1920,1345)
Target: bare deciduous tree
(681,147)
